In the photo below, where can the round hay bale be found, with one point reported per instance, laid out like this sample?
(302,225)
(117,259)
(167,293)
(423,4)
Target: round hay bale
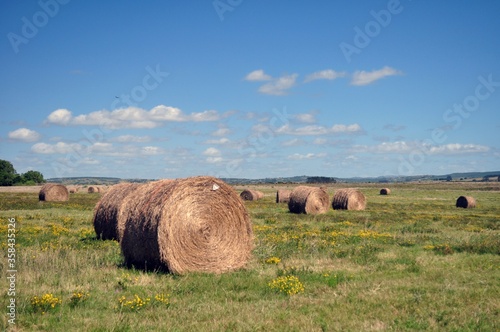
(283,196)
(466,202)
(385,191)
(196,224)
(308,200)
(52,192)
(348,199)
(107,210)
(93,189)
(73,189)
(251,195)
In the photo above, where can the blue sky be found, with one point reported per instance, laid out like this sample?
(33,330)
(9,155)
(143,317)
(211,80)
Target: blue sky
(238,88)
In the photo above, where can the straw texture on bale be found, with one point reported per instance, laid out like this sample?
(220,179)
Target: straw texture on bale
(107,210)
(52,192)
(283,196)
(466,202)
(308,200)
(196,224)
(348,199)
(385,191)
(251,195)
(93,189)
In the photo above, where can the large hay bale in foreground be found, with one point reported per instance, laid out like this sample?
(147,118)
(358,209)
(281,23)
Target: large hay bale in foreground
(466,202)
(106,211)
(52,192)
(283,196)
(187,225)
(93,189)
(385,191)
(251,195)
(348,199)
(308,200)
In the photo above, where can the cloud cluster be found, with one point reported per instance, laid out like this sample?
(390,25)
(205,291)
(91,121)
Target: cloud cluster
(315,130)
(408,147)
(279,86)
(131,117)
(213,155)
(97,148)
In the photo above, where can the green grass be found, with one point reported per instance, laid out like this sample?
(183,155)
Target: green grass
(410,262)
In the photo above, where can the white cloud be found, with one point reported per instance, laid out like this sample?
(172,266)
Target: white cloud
(60,116)
(100,147)
(258,75)
(305,118)
(279,86)
(260,128)
(131,139)
(131,117)
(219,141)
(151,150)
(221,132)
(89,161)
(320,141)
(24,135)
(166,113)
(314,130)
(298,156)
(327,74)
(211,152)
(213,155)
(364,77)
(341,129)
(292,142)
(214,160)
(204,116)
(58,148)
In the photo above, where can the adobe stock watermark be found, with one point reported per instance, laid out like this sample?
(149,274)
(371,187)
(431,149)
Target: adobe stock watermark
(363,37)
(150,81)
(255,144)
(453,116)
(30,27)
(11,271)
(223,6)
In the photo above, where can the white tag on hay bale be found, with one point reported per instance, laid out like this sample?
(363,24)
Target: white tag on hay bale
(215,187)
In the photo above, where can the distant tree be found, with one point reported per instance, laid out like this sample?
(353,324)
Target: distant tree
(33,176)
(320,179)
(7,173)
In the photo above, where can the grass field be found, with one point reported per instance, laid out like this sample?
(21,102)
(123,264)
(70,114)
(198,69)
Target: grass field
(411,261)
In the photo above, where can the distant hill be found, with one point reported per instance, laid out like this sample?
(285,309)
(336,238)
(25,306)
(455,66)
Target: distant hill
(469,176)
(87,180)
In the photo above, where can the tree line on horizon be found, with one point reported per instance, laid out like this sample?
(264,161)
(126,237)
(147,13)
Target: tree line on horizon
(10,177)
